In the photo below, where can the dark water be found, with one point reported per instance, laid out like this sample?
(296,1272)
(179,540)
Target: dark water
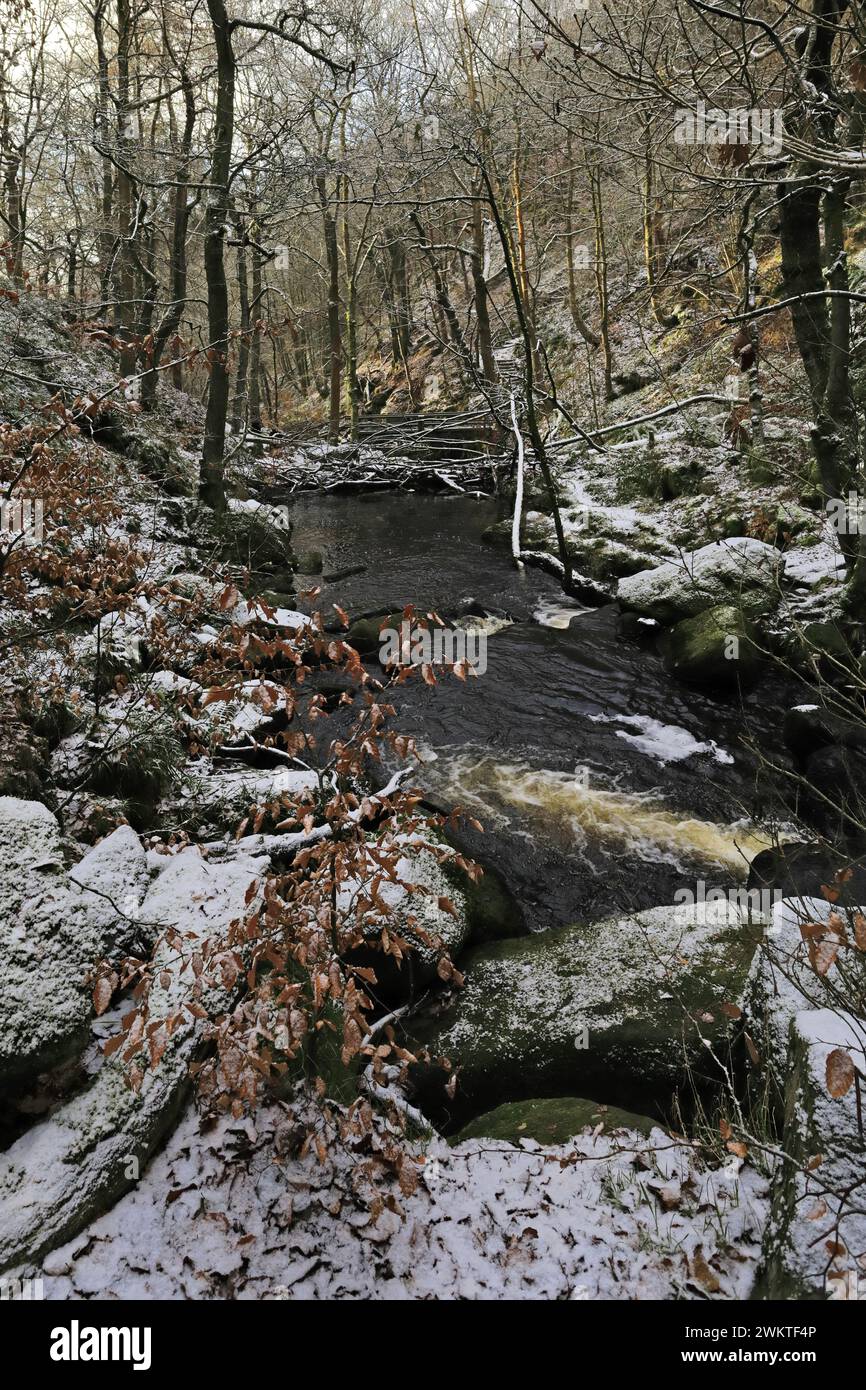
(580,819)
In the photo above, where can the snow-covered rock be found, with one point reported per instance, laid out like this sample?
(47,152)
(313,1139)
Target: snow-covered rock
(224,798)
(413,903)
(816,1230)
(488,1220)
(67,1169)
(47,944)
(618,1008)
(740,571)
(112,880)
(116,641)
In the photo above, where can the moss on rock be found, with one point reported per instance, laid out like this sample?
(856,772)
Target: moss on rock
(718,647)
(617,1008)
(551,1121)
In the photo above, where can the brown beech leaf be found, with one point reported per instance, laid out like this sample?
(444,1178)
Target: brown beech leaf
(702,1273)
(819,1210)
(102,994)
(840,1073)
(822,956)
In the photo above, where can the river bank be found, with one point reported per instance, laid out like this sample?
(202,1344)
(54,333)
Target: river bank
(606,786)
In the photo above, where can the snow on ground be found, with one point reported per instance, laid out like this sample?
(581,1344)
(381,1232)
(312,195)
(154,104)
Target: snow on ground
(219,1215)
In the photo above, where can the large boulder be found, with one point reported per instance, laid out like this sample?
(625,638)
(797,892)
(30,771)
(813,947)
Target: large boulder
(717,647)
(794,869)
(800,1017)
(832,797)
(64,1171)
(552,1121)
(807,727)
(741,572)
(257,536)
(221,800)
(47,945)
(111,882)
(424,903)
(617,1009)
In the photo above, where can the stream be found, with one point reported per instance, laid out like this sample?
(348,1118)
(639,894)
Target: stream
(602,784)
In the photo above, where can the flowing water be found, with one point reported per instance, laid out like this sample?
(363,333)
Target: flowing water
(601,783)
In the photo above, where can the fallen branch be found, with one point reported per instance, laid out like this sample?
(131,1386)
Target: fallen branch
(518,499)
(284,846)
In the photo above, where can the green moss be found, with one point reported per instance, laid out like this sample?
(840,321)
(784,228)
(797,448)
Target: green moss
(551,1121)
(718,647)
(491,911)
(140,757)
(607,1009)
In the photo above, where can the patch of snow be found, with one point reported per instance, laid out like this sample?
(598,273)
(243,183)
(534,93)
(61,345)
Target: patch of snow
(487,1220)
(667,743)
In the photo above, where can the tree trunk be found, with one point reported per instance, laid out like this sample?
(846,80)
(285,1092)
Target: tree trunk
(255,392)
(239,406)
(212,475)
(170,321)
(482,307)
(124,265)
(334,350)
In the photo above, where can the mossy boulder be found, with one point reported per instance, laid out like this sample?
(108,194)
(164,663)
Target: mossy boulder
(491,911)
(551,1121)
(680,478)
(807,727)
(23,758)
(605,559)
(310,562)
(256,536)
(825,640)
(424,904)
(718,647)
(47,945)
(72,1166)
(128,752)
(172,473)
(365,633)
(618,1008)
(741,572)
